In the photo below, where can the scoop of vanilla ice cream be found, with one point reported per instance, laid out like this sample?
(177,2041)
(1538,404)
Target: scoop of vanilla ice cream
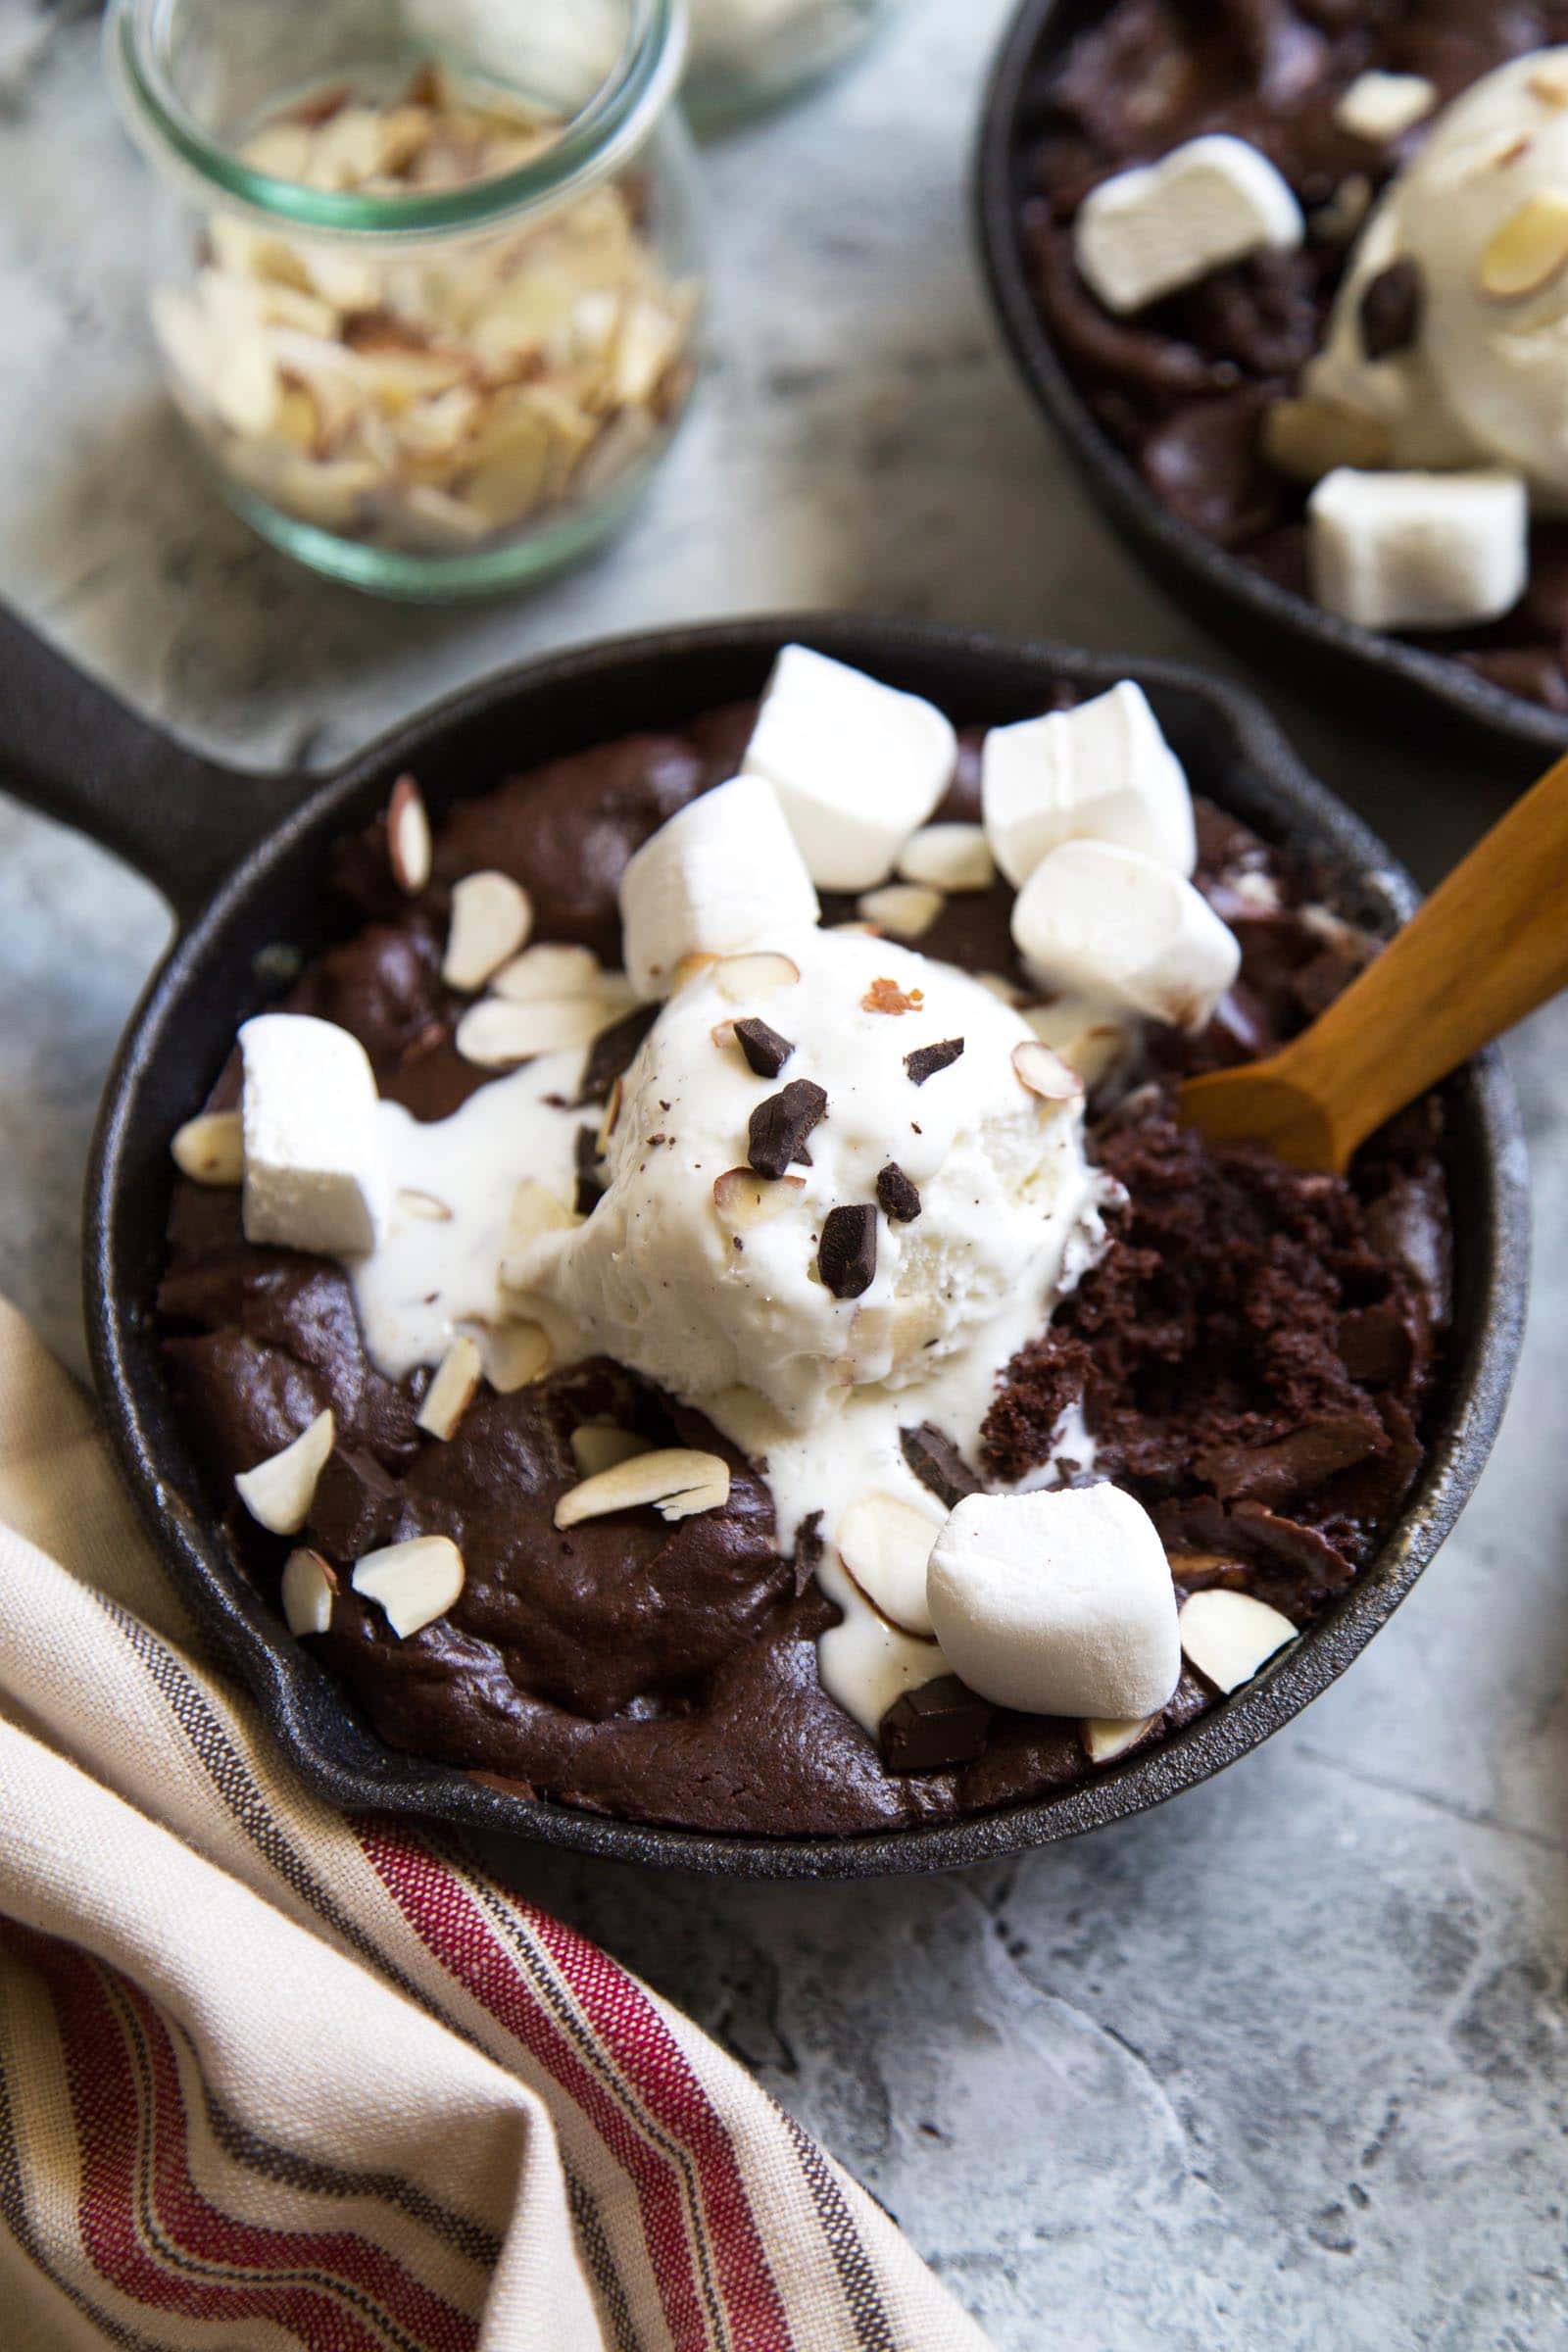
(1486,383)
(705,1292)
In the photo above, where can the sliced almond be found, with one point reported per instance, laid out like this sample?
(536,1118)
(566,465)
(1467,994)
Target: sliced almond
(610,1117)
(536,1209)
(407,837)
(1530,248)
(1549,82)
(677,1481)
(1088,1039)
(491,918)
(452,1389)
(413,1583)
(1043,1071)
(1309,438)
(950,858)
(886,1546)
(598,1447)
(280,1491)
(424,1205)
(210,1148)
(743,1199)
(906,910)
(743,977)
(1228,1636)
(515,1354)
(1105,1736)
(496,1034)
(554,968)
(690,967)
(309,1589)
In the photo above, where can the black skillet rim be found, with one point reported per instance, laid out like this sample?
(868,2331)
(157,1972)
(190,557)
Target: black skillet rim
(1253,608)
(292,1687)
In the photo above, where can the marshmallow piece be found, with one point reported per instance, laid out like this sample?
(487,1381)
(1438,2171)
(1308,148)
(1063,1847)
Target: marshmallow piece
(1102,772)
(313,1175)
(858,766)
(1057,1603)
(1213,201)
(1379,106)
(1099,921)
(723,873)
(1418,551)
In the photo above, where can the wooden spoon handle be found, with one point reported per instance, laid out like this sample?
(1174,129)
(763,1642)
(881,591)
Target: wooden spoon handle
(1487,947)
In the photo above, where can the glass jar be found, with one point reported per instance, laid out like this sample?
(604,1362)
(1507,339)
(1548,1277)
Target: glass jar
(429,291)
(748,55)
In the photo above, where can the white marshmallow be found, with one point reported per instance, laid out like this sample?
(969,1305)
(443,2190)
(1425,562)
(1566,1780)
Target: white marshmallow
(1379,106)
(1418,551)
(1099,921)
(723,873)
(1102,772)
(313,1175)
(1213,201)
(1057,1603)
(858,766)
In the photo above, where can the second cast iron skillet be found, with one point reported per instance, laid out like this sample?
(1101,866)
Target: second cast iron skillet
(243,862)
(1376,677)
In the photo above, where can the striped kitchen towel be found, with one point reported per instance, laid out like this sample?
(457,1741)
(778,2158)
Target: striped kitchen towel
(270,2077)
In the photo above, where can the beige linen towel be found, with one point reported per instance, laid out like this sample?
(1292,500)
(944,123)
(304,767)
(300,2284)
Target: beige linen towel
(273,2078)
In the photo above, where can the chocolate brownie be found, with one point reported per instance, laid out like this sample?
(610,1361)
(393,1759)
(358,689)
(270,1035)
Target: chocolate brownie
(1254,1354)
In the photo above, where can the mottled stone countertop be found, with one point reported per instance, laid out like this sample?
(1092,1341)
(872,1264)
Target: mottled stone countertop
(1283,2064)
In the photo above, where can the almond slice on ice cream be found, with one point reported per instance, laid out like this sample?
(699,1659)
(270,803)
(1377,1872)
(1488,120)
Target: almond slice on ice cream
(413,1583)
(1043,1072)
(516,1355)
(677,1481)
(743,1199)
(309,1589)
(451,1388)
(1228,1636)
(597,1446)
(759,974)
(1530,248)
(886,1546)
(491,918)
(278,1492)
(407,837)
(210,1148)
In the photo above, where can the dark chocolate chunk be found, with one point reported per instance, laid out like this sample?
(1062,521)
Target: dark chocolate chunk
(932,1729)
(612,1052)
(808,1550)
(925,1061)
(899,1199)
(590,1182)
(356,1505)
(1392,309)
(764,1047)
(777,1129)
(938,1464)
(845,1255)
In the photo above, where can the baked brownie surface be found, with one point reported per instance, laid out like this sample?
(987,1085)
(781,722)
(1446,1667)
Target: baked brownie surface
(1253,1352)
(1182,387)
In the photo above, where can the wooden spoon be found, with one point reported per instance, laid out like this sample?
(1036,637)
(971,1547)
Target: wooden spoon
(1487,947)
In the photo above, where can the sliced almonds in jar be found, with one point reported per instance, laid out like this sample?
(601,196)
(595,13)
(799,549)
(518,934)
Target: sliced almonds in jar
(307,1592)
(407,837)
(1528,250)
(413,1583)
(886,1546)
(677,1481)
(452,1387)
(280,1491)
(210,1148)
(491,918)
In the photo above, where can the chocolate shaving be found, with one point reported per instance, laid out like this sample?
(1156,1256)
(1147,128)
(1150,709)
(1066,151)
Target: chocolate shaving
(934,1728)
(925,1061)
(938,1464)
(613,1052)
(808,1550)
(898,1198)
(764,1047)
(1392,309)
(777,1129)
(845,1255)
(590,1183)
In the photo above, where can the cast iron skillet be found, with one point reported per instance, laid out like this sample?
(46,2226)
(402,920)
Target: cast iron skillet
(1376,676)
(243,860)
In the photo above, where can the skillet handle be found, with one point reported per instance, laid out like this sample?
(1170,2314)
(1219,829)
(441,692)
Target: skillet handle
(71,748)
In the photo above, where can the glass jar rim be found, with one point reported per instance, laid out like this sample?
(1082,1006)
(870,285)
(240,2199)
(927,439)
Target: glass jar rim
(599,137)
